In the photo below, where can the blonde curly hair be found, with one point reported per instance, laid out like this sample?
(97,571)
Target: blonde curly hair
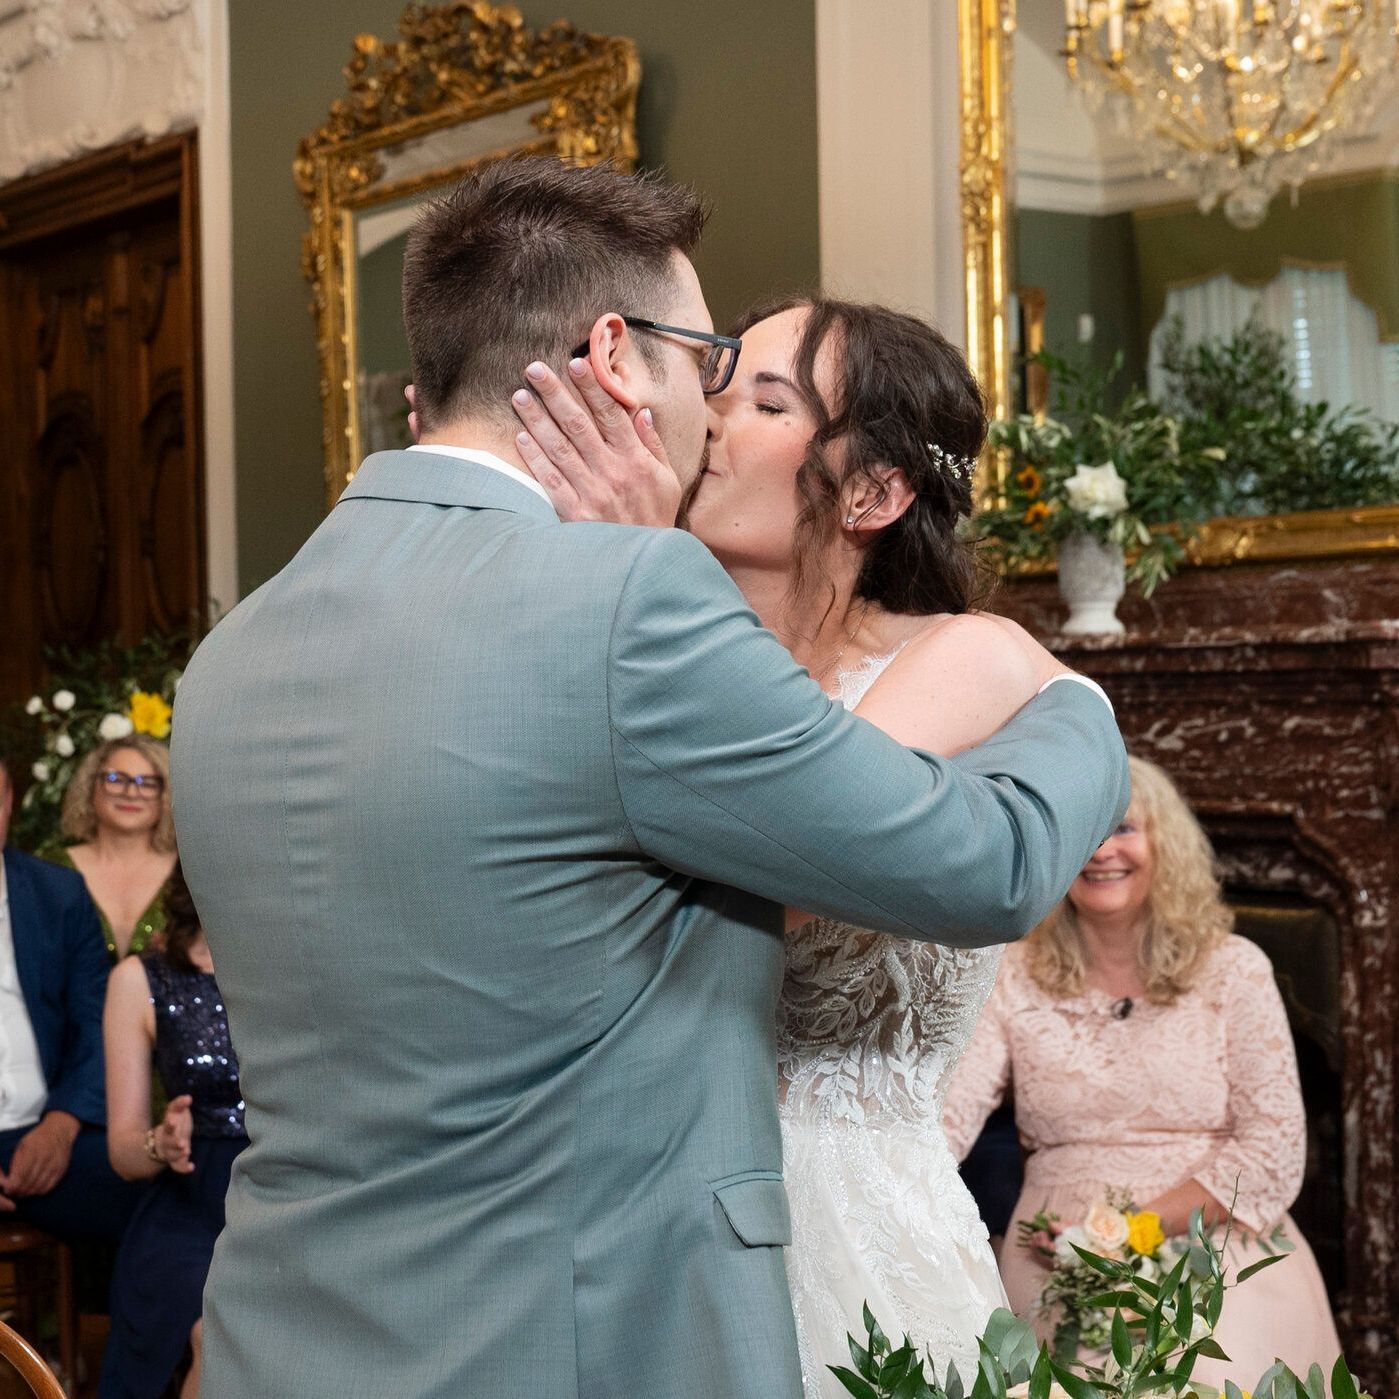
(78,819)
(1187,917)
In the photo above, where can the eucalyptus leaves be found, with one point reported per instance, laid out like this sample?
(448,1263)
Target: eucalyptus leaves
(1158,1329)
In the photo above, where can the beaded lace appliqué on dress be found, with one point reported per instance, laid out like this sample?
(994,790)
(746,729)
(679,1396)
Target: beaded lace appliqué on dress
(869,1029)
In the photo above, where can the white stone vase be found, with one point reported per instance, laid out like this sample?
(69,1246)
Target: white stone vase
(1092,579)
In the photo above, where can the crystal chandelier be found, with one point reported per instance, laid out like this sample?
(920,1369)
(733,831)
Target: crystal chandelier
(1234,97)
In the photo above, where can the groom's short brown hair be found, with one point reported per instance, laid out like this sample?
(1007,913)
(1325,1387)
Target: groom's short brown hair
(519,260)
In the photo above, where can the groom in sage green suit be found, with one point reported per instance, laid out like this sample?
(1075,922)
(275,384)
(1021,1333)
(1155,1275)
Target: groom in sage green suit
(490,820)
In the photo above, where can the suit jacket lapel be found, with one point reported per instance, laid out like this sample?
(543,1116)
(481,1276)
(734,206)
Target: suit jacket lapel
(26,931)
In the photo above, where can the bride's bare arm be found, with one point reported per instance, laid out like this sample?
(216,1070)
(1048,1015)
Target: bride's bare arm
(957,682)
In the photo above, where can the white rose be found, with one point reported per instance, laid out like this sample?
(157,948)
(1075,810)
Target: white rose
(114,726)
(64,700)
(1147,1268)
(1096,491)
(1064,1245)
(40,771)
(63,746)
(1106,1230)
(34,706)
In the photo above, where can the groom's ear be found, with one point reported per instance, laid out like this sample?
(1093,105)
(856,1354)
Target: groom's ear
(613,354)
(876,498)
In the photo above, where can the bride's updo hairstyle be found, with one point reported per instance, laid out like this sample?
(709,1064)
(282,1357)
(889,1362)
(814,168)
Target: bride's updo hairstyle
(904,398)
(1186,915)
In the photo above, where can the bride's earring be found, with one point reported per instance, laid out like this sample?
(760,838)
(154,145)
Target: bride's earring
(849,520)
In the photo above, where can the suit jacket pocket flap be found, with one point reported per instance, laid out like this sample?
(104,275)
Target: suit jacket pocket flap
(757,1210)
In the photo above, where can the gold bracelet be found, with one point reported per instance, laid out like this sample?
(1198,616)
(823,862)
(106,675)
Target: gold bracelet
(151,1147)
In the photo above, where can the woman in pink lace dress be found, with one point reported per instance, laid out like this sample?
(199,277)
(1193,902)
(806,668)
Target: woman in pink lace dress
(1149,1054)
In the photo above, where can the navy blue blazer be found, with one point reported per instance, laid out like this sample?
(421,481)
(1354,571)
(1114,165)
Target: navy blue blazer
(63,968)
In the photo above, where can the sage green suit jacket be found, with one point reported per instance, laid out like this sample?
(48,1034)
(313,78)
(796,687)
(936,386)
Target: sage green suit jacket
(489,821)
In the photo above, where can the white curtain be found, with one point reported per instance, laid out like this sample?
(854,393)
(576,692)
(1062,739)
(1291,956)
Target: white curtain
(1332,337)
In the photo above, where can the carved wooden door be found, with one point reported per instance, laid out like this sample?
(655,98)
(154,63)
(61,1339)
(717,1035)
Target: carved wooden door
(101,473)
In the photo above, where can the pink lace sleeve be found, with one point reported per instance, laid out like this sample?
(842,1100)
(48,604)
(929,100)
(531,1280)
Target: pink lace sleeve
(979,1081)
(1266,1153)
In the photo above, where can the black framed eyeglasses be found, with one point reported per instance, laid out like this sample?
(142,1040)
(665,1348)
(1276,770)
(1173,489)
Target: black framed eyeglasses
(717,370)
(148,786)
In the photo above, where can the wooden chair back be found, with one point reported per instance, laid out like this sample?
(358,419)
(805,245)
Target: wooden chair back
(30,1364)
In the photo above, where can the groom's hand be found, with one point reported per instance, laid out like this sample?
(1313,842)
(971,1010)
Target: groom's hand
(595,460)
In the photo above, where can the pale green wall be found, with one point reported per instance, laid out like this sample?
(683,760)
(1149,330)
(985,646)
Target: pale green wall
(728,104)
(1085,264)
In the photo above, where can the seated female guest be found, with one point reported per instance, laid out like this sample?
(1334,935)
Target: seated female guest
(117,810)
(168,1002)
(1150,1056)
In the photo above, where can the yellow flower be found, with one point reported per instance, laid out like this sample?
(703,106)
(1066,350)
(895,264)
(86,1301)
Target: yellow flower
(1037,514)
(149,714)
(1029,480)
(1144,1234)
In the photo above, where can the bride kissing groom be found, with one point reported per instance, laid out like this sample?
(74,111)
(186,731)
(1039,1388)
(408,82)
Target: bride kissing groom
(492,815)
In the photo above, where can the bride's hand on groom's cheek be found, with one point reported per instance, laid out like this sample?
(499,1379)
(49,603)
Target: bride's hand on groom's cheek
(595,460)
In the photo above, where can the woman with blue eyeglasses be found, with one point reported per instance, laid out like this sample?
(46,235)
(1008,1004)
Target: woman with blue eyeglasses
(116,814)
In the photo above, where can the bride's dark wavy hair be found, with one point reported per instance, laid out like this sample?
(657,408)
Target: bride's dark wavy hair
(900,386)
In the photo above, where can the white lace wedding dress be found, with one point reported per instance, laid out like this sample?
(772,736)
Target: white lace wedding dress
(869,1029)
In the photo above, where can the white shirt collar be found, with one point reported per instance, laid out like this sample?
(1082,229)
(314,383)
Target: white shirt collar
(472,454)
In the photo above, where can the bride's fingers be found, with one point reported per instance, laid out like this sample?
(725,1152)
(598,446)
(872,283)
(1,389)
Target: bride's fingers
(539,422)
(569,415)
(613,421)
(645,425)
(556,485)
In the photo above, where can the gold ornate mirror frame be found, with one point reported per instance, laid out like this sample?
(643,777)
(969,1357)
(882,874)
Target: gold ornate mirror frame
(985,30)
(451,64)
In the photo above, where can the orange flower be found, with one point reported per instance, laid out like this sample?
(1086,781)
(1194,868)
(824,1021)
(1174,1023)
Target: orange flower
(1029,480)
(1037,514)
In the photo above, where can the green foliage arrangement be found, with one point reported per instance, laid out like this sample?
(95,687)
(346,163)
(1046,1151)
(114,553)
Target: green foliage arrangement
(1238,397)
(1126,475)
(1230,436)
(105,691)
(1159,1328)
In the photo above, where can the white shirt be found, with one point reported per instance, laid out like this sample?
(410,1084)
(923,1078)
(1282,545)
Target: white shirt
(528,481)
(23,1089)
(490,460)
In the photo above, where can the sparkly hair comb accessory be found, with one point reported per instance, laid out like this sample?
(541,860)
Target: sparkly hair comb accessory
(960,467)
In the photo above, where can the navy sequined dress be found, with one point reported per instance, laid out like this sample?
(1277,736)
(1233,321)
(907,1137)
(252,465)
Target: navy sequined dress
(158,1282)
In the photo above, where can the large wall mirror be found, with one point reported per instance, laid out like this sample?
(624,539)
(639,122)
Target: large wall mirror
(1074,245)
(461,84)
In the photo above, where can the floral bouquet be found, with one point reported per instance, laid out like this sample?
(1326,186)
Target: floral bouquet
(1110,1229)
(1122,476)
(105,693)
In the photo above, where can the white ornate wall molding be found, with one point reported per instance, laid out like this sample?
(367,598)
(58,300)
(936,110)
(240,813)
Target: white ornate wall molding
(78,75)
(888,153)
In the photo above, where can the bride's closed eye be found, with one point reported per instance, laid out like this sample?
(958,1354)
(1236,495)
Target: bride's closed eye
(772,409)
